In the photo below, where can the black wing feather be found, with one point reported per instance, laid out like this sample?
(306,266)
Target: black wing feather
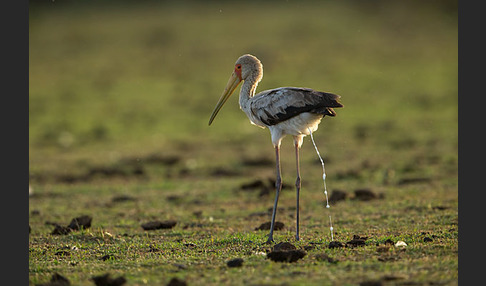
(277,105)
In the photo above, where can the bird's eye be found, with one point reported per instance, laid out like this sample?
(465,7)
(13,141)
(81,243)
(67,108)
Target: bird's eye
(238,66)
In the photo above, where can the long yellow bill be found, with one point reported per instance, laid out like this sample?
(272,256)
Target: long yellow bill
(233,82)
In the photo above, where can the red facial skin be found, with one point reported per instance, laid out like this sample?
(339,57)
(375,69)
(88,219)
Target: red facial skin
(238,71)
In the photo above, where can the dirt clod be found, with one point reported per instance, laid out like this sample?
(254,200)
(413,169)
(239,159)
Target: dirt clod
(176,282)
(364,195)
(236,262)
(337,195)
(61,230)
(80,222)
(56,280)
(413,180)
(266,226)
(266,187)
(440,208)
(253,185)
(152,225)
(122,198)
(389,242)
(287,255)
(336,244)
(75,224)
(357,241)
(106,280)
(284,246)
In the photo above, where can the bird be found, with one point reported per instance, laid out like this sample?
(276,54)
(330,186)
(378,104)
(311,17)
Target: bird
(295,111)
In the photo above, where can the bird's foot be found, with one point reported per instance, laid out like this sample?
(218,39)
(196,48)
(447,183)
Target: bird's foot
(269,240)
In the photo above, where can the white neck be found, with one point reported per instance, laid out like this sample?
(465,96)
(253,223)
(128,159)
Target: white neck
(247,91)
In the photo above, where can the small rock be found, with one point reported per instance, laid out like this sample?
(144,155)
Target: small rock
(400,244)
(258,253)
(237,262)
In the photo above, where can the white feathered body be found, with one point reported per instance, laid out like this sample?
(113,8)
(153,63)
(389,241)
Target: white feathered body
(287,110)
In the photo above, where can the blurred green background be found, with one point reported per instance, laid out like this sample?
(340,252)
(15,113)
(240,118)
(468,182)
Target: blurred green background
(115,79)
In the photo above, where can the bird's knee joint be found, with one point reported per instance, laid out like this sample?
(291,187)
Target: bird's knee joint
(297,182)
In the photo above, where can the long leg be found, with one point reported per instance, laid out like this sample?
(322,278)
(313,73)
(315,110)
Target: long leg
(278,187)
(297,185)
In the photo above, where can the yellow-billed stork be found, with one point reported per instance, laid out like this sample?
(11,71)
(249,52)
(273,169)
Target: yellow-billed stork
(294,111)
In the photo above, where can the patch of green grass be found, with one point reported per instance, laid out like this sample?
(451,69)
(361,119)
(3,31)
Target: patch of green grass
(120,96)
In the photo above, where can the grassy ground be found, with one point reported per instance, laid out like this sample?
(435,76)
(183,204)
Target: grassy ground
(120,96)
